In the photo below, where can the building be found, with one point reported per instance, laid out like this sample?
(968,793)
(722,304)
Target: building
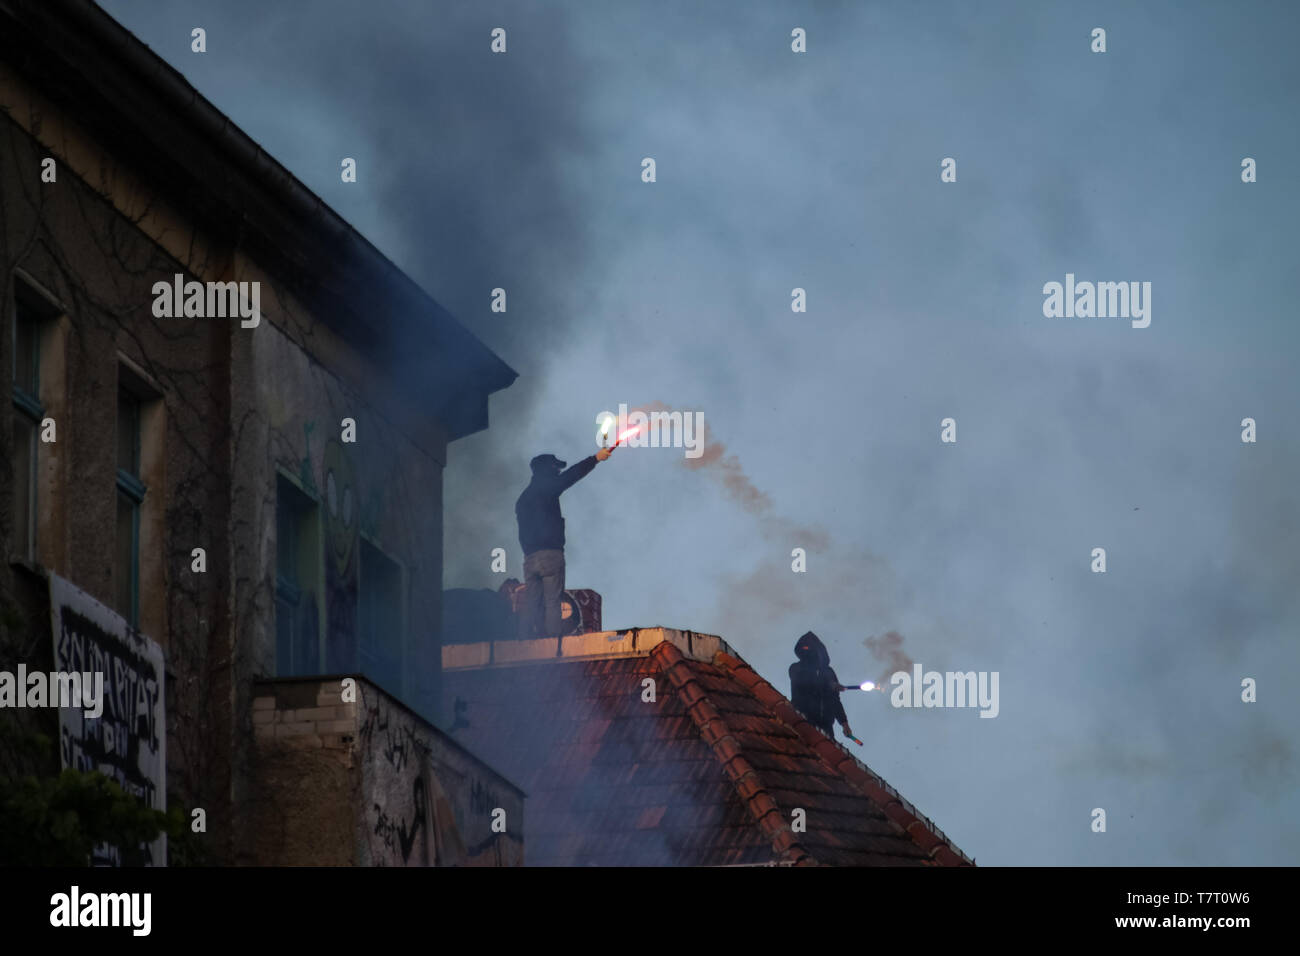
(224,449)
(240,485)
(657,747)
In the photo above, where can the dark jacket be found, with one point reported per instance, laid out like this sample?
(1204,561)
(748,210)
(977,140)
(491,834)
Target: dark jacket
(541,526)
(814,688)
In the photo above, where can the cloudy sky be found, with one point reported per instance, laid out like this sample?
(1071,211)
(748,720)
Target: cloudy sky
(821,171)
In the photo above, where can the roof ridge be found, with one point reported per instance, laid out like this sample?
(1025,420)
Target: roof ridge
(900,812)
(717,734)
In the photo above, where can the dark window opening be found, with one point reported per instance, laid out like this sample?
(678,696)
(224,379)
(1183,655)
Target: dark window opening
(130,496)
(297,576)
(28,413)
(380,618)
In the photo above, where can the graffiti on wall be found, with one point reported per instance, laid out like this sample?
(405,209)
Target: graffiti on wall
(411,821)
(341,523)
(128,741)
(345,517)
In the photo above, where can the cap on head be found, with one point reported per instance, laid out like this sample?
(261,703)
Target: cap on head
(546,462)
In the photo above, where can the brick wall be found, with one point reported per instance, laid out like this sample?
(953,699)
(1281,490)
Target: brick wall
(327,722)
(368,782)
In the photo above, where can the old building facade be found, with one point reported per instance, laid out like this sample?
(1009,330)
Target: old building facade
(258,494)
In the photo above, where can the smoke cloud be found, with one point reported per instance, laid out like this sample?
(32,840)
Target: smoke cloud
(726,469)
(845,577)
(888,649)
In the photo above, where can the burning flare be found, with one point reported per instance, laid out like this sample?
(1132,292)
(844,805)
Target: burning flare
(607,423)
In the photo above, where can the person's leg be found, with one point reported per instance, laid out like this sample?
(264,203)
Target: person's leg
(530,610)
(552,585)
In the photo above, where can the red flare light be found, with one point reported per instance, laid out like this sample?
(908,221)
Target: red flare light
(631,431)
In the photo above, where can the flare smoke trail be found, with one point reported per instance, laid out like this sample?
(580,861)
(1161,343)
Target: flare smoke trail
(888,648)
(772,588)
(726,468)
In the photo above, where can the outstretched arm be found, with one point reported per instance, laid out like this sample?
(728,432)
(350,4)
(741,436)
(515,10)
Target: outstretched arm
(574,473)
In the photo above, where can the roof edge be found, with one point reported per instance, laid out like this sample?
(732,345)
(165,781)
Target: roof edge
(936,844)
(268,686)
(597,645)
(90,53)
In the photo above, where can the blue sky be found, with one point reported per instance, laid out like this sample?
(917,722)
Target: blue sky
(821,171)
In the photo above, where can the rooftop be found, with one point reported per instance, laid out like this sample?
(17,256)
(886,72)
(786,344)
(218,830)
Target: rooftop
(143,110)
(708,773)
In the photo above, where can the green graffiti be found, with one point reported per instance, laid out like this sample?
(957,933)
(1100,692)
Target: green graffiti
(341,506)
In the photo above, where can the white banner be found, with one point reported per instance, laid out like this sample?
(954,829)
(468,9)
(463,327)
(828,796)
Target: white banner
(128,741)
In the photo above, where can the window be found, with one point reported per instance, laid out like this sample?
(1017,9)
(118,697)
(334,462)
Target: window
(139,450)
(298,568)
(380,618)
(130,498)
(28,413)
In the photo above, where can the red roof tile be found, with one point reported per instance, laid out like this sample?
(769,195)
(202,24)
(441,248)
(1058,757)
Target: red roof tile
(711,773)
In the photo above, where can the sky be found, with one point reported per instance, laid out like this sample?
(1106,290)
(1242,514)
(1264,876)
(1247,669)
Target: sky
(821,170)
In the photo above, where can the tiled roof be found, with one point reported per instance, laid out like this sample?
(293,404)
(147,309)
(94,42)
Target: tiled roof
(710,773)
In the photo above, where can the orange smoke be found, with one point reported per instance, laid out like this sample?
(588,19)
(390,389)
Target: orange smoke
(727,469)
(771,586)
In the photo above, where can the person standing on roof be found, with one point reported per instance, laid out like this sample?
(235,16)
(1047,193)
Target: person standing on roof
(814,688)
(541,535)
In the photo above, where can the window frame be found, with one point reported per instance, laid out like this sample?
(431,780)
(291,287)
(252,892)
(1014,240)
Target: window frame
(403,582)
(30,303)
(129,484)
(293,591)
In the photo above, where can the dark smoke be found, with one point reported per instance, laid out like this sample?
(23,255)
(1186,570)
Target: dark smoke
(469,179)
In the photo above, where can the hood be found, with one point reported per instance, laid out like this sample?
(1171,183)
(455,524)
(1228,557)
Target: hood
(810,649)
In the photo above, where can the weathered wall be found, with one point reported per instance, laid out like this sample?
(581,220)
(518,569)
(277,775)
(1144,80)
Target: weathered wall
(304,780)
(370,783)
(290,408)
(385,486)
(238,405)
(99,266)
(25,638)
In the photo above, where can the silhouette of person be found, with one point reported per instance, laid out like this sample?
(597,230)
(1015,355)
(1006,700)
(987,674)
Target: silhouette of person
(814,688)
(541,535)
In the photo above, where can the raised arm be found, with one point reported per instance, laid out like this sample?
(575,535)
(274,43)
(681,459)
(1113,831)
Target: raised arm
(567,478)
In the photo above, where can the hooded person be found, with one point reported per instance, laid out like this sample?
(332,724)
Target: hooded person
(541,535)
(814,688)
